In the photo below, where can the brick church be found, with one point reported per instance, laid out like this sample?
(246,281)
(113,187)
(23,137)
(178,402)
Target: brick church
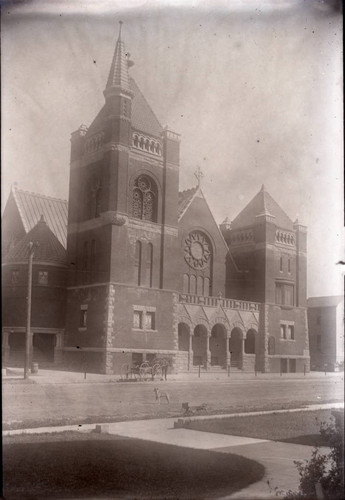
(132,269)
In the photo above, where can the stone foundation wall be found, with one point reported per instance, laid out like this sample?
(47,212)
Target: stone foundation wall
(180,362)
(249,362)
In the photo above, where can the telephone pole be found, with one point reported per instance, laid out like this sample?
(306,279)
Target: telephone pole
(32,246)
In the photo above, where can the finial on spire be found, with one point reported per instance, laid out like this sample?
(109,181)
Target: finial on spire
(263,187)
(120,23)
(199,175)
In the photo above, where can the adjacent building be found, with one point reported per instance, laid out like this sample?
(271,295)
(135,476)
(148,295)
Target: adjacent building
(326,332)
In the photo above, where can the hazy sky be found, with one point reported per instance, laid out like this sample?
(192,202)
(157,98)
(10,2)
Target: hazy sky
(254,88)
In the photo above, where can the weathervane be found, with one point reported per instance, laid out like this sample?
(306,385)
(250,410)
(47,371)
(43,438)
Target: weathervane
(199,175)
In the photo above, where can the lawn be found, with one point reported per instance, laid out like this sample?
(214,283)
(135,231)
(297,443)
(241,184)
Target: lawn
(300,427)
(74,465)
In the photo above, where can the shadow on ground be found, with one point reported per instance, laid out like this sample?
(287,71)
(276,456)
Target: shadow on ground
(73,465)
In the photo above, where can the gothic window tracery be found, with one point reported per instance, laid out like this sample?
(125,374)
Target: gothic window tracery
(197,279)
(144,205)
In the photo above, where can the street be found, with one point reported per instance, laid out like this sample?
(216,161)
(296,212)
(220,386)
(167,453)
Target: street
(34,404)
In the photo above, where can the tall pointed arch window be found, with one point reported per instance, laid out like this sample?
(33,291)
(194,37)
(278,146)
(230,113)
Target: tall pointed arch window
(149,265)
(93,198)
(137,262)
(145,194)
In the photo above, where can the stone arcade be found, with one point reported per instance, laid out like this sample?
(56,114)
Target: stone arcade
(145,270)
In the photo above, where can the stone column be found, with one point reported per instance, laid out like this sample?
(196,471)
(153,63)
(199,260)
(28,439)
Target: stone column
(5,347)
(190,352)
(208,352)
(242,353)
(227,350)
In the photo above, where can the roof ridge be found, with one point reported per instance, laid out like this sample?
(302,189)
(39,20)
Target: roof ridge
(38,195)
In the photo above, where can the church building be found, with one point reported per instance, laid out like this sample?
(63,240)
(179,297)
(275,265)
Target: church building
(131,269)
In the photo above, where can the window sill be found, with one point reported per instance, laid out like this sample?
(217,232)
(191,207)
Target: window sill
(283,306)
(288,340)
(142,330)
(82,329)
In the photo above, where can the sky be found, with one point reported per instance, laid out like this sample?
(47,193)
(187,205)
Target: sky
(253,87)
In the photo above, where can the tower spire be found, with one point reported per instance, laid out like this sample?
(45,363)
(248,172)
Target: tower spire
(118,78)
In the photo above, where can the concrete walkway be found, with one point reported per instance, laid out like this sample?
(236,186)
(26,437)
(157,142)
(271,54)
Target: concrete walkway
(277,457)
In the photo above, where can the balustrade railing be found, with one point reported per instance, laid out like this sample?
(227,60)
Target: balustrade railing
(241,305)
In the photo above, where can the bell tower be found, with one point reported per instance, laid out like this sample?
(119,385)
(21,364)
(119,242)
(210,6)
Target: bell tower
(122,223)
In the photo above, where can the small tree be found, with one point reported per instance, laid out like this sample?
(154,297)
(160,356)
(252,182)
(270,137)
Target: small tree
(325,470)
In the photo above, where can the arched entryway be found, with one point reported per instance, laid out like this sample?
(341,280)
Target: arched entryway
(218,345)
(250,342)
(236,347)
(199,345)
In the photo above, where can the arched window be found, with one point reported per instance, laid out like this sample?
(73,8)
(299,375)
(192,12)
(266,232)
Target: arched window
(149,265)
(145,196)
(206,287)
(192,284)
(137,203)
(137,262)
(93,197)
(185,283)
(200,285)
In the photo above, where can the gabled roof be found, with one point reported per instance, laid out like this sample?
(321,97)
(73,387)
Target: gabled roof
(185,198)
(328,301)
(49,248)
(143,118)
(31,206)
(262,203)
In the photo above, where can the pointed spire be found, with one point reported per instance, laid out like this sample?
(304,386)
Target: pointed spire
(263,187)
(118,75)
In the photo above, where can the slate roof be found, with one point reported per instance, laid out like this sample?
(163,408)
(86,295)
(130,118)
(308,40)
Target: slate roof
(328,301)
(143,118)
(262,203)
(49,248)
(31,206)
(184,200)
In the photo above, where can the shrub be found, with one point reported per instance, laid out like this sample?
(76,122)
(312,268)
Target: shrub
(324,470)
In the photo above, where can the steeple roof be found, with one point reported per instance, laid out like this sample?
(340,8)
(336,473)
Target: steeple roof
(143,118)
(49,248)
(118,75)
(261,204)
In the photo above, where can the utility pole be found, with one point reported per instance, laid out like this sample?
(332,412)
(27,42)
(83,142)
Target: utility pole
(31,247)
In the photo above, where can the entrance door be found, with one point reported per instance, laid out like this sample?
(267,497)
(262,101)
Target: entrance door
(43,348)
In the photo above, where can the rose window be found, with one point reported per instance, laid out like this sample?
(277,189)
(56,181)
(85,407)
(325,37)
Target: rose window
(197,250)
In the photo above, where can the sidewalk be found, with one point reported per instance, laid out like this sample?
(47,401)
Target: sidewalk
(277,457)
(67,377)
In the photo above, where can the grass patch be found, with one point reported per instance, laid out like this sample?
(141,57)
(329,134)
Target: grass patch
(300,427)
(73,465)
